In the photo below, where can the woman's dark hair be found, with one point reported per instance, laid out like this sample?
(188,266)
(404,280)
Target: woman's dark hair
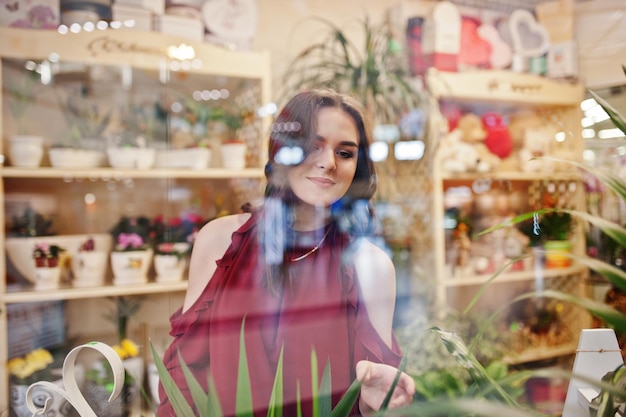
(292,137)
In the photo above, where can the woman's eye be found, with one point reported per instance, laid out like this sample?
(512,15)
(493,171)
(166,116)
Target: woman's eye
(345,154)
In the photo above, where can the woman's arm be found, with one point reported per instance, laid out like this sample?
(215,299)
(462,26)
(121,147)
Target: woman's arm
(377,279)
(210,245)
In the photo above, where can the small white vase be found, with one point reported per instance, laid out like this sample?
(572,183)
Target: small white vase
(169,268)
(26,151)
(233,155)
(47,278)
(89,268)
(131,267)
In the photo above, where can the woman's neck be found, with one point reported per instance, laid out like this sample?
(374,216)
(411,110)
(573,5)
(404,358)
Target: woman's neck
(310,218)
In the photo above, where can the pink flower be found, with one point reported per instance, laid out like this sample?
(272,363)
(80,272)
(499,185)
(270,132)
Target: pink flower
(129,241)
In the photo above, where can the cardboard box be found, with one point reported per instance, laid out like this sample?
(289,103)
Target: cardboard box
(34,14)
(142,18)
(180,26)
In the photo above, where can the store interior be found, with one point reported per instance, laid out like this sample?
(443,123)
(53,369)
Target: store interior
(496,139)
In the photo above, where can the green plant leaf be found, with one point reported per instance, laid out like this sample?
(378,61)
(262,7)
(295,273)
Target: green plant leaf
(617,119)
(207,404)
(276,400)
(325,399)
(243,403)
(347,401)
(314,387)
(175,396)
(401,368)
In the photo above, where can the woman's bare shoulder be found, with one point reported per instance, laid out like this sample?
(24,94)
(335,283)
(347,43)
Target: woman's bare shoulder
(374,260)
(223,227)
(211,243)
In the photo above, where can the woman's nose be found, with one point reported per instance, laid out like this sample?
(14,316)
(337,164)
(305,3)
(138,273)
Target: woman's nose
(326,158)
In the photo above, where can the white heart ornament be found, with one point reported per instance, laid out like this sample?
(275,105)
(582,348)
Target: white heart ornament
(530,39)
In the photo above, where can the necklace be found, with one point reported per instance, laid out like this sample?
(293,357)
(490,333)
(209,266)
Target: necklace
(312,251)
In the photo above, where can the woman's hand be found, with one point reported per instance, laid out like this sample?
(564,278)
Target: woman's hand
(376,380)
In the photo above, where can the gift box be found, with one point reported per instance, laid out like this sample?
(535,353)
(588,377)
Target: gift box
(441,37)
(563,60)
(154,6)
(180,26)
(142,18)
(34,14)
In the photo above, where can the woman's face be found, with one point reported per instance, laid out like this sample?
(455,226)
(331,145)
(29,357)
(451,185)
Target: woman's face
(327,172)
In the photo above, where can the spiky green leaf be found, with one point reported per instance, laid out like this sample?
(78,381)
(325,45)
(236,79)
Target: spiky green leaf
(175,396)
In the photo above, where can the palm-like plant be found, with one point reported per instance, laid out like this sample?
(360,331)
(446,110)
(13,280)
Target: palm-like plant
(376,73)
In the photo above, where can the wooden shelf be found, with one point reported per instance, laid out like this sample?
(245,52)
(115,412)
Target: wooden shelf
(504,87)
(515,176)
(107,173)
(73,293)
(517,276)
(541,353)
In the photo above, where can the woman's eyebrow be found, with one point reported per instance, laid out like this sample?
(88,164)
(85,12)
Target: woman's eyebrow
(342,143)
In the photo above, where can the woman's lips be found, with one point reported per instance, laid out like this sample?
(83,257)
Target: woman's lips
(322,182)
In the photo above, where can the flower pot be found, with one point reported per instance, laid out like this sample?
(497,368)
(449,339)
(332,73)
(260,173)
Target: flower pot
(26,151)
(58,407)
(89,268)
(127,158)
(233,155)
(169,268)
(557,253)
(191,158)
(131,267)
(74,158)
(47,278)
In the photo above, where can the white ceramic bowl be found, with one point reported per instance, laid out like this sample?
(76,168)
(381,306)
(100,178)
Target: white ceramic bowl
(20,249)
(75,158)
(192,158)
(141,158)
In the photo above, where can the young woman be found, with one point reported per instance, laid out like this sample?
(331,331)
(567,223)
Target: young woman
(299,273)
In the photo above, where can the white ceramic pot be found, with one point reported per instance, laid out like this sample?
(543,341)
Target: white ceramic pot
(89,268)
(26,151)
(47,278)
(127,158)
(74,158)
(233,155)
(131,267)
(20,249)
(169,268)
(192,158)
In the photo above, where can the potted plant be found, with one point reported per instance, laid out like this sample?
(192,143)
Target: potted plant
(99,378)
(132,252)
(132,147)
(375,72)
(232,148)
(47,269)
(189,145)
(173,239)
(89,265)
(87,122)
(25,151)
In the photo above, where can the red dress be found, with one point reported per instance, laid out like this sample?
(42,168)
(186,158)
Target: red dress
(321,310)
